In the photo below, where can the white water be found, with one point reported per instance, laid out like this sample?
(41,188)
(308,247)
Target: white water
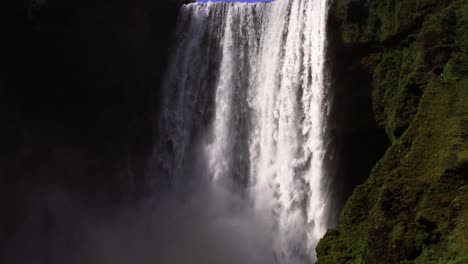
(245,106)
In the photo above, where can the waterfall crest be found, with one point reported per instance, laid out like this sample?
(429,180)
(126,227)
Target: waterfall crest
(245,106)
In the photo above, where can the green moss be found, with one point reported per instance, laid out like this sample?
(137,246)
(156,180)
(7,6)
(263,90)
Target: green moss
(38,4)
(397,81)
(36,7)
(414,206)
(379,20)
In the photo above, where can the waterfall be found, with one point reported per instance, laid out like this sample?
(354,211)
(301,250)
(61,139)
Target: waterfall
(245,106)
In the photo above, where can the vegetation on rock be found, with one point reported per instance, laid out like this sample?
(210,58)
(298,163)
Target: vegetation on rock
(414,206)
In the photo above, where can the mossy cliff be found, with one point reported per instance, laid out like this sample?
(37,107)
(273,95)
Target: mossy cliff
(413,208)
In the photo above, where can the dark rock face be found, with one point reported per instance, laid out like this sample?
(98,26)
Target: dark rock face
(413,207)
(358,141)
(79,88)
(80,85)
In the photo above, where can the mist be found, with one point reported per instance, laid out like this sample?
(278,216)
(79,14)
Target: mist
(205,226)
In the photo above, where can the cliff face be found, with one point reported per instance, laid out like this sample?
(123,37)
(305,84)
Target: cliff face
(413,208)
(79,84)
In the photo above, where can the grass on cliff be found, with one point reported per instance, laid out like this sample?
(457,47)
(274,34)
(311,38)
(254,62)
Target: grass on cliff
(414,206)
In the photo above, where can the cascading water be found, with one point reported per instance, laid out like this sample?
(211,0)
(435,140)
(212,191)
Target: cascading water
(245,105)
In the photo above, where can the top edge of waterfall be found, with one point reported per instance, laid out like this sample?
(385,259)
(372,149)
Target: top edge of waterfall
(231,2)
(234,1)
